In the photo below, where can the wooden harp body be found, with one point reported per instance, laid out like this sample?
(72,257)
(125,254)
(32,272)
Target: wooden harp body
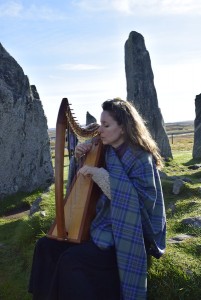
(75,211)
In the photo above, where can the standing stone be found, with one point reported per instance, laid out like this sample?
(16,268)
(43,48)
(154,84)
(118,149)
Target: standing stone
(25,159)
(90,119)
(141,90)
(197,128)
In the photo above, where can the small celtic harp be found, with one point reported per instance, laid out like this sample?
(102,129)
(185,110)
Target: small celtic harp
(75,210)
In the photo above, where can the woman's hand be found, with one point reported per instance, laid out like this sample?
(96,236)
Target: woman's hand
(88,170)
(82,149)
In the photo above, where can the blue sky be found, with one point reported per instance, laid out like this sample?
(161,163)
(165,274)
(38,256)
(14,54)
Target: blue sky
(75,49)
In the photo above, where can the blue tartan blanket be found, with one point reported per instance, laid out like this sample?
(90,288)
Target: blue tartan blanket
(137,216)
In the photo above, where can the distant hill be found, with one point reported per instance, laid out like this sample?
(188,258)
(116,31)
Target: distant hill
(180,127)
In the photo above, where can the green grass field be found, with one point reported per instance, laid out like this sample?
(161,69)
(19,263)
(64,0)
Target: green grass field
(177,275)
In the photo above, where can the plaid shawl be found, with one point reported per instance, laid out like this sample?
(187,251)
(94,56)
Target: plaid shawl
(137,216)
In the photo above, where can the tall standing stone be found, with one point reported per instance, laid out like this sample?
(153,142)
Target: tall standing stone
(197,128)
(90,119)
(25,158)
(141,90)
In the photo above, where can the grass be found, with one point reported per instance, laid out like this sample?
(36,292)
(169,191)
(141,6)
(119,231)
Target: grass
(17,238)
(177,275)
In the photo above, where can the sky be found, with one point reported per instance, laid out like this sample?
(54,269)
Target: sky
(75,49)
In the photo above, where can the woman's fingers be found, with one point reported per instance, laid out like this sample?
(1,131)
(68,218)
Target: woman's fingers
(82,149)
(86,170)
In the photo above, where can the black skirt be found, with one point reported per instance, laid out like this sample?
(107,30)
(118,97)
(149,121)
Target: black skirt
(66,271)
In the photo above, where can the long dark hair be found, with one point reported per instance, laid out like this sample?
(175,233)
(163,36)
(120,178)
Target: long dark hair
(136,132)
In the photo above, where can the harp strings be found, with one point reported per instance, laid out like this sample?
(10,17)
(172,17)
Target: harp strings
(75,133)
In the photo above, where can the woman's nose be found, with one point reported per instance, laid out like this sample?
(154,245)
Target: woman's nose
(99,129)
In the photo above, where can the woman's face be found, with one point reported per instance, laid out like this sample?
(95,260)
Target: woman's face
(110,132)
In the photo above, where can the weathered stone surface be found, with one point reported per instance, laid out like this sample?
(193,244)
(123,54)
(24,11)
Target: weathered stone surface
(194,221)
(90,119)
(180,238)
(197,128)
(35,206)
(25,159)
(177,185)
(194,167)
(141,90)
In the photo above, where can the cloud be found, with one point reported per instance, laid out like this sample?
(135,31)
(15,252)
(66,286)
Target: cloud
(80,67)
(11,9)
(18,9)
(104,5)
(15,9)
(134,7)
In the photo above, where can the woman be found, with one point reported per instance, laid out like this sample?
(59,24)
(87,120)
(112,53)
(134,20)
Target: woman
(129,224)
